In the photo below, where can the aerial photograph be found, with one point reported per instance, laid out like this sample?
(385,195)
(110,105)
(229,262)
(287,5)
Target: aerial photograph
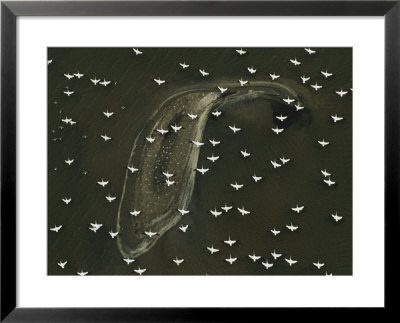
(199,161)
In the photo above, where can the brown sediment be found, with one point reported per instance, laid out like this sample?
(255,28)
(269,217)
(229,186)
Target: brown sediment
(147,190)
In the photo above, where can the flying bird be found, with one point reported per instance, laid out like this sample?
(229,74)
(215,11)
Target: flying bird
(274,76)
(137,51)
(159,81)
(310,51)
(295,62)
(56,228)
(184,65)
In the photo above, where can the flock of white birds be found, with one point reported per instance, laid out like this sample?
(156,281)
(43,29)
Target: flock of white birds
(276,163)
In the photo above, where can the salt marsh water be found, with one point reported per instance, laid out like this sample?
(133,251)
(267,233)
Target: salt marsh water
(319,237)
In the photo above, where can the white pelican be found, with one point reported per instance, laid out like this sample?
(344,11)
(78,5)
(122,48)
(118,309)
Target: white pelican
(159,81)
(128,260)
(137,51)
(329,182)
(68,92)
(216,113)
(336,118)
(202,170)
(192,116)
(290,261)
(251,70)
(69,76)
(135,212)
(215,212)
(275,255)
(183,211)
(298,106)
(230,259)
(234,129)
(56,228)
(184,65)
(281,117)
(325,173)
(241,51)
(212,249)
(298,208)
(323,143)
(226,208)
(150,139)
(183,228)
(213,158)
(214,142)
(310,51)
(230,242)
(167,174)
(169,183)
(336,217)
(96,225)
(132,169)
(288,100)
(62,264)
(139,270)
(105,137)
(245,153)
(304,78)
(284,160)
(203,72)
(237,186)
(162,131)
(178,261)
(318,264)
(66,120)
(79,75)
(95,81)
(66,200)
(277,130)
(197,143)
(94,229)
(108,114)
(222,89)
(341,92)
(150,233)
(291,227)
(274,76)
(256,178)
(266,264)
(69,161)
(49,61)
(326,74)
(110,198)
(254,257)
(243,211)
(82,273)
(275,232)
(295,62)
(176,128)
(113,234)
(242,82)
(275,164)
(102,182)
(104,82)
(316,87)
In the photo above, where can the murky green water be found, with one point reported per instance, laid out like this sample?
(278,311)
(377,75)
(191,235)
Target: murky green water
(319,237)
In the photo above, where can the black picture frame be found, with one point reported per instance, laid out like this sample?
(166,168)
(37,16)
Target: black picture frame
(10,10)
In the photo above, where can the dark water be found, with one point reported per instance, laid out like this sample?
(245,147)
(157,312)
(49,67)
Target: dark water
(319,237)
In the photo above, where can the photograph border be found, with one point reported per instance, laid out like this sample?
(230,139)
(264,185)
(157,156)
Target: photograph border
(11,10)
